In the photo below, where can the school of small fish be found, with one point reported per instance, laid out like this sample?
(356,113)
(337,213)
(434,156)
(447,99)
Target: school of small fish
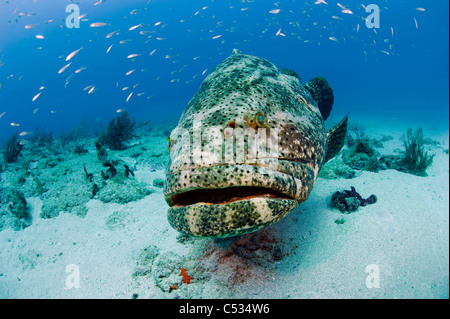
(345,24)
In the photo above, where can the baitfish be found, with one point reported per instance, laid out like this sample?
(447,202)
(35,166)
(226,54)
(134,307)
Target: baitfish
(248,148)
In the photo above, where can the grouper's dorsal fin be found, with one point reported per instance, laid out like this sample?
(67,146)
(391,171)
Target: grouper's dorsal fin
(322,93)
(336,138)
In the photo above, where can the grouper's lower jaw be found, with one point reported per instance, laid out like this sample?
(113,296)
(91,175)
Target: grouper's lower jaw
(229,200)
(229,219)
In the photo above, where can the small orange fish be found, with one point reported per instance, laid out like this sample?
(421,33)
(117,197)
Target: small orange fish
(186,278)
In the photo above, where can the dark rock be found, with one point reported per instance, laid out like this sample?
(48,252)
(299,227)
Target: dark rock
(13,209)
(350,200)
(362,155)
(128,171)
(110,172)
(158,182)
(336,169)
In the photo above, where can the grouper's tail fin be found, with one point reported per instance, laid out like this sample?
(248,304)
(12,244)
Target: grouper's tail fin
(336,138)
(322,93)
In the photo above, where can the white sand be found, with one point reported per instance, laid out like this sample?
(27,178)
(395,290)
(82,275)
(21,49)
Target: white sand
(405,234)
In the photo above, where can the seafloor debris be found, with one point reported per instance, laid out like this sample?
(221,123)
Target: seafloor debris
(128,170)
(120,130)
(362,154)
(80,149)
(101,152)
(336,169)
(349,200)
(12,149)
(110,172)
(13,209)
(89,176)
(158,182)
(414,160)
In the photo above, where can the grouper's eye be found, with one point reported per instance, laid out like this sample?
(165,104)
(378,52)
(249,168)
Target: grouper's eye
(260,120)
(256,120)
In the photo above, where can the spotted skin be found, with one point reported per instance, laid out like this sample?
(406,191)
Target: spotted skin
(237,90)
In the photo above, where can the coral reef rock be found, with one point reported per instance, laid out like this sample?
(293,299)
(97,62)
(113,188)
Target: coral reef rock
(349,200)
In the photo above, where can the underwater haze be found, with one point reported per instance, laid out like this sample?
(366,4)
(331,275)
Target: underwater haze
(397,70)
(91,197)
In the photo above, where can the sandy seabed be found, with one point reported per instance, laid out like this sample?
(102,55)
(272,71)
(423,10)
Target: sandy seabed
(395,248)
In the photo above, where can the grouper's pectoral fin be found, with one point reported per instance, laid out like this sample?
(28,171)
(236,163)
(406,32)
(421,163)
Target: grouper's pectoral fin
(336,138)
(322,93)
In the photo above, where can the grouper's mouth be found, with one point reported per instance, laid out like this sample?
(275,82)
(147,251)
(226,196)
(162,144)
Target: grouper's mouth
(227,200)
(218,185)
(227,195)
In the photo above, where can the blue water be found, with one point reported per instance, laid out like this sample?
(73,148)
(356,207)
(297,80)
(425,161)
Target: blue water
(398,70)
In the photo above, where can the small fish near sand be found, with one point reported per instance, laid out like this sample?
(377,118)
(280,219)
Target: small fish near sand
(211,192)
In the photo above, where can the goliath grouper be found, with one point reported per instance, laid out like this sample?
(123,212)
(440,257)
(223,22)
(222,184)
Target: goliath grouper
(212,196)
